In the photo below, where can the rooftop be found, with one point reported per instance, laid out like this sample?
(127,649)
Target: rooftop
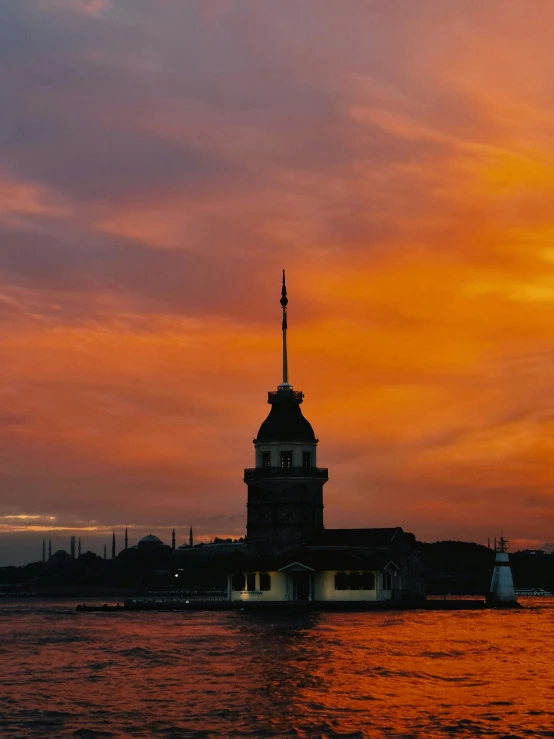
(285,421)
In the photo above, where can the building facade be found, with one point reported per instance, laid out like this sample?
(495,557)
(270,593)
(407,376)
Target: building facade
(290,557)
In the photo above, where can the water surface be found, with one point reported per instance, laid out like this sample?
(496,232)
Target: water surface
(232,674)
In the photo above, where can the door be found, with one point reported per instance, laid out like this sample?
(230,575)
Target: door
(301,586)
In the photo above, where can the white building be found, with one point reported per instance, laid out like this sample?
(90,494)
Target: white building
(325,574)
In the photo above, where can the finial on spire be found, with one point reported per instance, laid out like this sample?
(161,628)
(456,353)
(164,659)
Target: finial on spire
(284,299)
(284,302)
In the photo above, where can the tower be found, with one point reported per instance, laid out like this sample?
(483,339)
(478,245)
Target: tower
(105,555)
(79,550)
(72,547)
(502,591)
(191,538)
(285,488)
(113,544)
(173,540)
(126,538)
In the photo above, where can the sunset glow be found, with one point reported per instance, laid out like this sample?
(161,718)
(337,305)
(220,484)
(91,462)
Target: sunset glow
(164,161)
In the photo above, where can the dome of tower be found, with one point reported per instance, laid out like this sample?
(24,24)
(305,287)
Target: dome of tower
(285,421)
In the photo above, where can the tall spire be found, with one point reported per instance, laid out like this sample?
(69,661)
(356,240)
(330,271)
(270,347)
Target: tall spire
(284,302)
(113,544)
(126,538)
(173,540)
(191,538)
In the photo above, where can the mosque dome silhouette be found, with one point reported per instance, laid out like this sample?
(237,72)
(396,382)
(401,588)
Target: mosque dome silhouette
(150,540)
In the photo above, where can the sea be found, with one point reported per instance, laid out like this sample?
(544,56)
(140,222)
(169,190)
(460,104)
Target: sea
(241,674)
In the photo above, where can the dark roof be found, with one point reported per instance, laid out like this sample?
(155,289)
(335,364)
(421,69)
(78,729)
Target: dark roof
(211,551)
(374,538)
(315,558)
(286,423)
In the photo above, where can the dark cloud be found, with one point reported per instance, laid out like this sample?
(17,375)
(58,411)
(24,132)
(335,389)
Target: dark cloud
(10,418)
(88,111)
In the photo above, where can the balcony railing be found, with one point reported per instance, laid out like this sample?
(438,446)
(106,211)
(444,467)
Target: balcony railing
(278,396)
(266,473)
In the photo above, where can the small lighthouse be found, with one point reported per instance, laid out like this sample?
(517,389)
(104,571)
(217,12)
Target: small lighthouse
(502,591)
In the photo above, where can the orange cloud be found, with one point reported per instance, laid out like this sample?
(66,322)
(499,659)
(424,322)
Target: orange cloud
(406,186)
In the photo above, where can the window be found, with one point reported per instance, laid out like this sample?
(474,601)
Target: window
(367,581)
(387,581)
(251,581)
(354,581)
(266,459)
(286,460)
(306,459)
(237,581)
(265,581)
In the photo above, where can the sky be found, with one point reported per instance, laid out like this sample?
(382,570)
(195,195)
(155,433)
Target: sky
(161,162)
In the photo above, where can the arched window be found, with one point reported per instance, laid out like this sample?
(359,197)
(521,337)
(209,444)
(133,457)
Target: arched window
(286,460)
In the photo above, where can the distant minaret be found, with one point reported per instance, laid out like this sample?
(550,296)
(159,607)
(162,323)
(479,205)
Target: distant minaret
(191,538)
(173,540)
(79,550)
(72,547)
(113,544)
(126,538)
(49,548)
(502,591)
(105,553)
(43,551)
(489,542)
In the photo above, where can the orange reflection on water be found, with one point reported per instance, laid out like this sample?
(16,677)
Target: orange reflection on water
(420,674)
